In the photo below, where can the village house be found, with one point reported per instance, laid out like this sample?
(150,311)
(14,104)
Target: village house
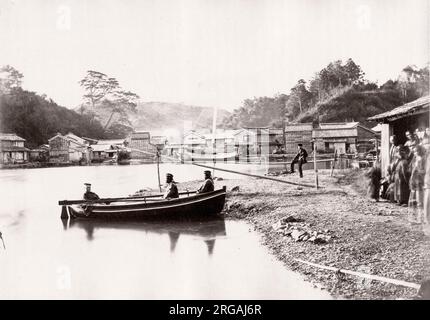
(296,133)
(159,141)
(276,140)
(194,139)
(68,148)
(224,140)
(40,154)
(106,149)
(140,145)
(252,142)
(12,149)
(408,117)
(343,138)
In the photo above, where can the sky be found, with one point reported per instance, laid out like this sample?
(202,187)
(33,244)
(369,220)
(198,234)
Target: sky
(206,52)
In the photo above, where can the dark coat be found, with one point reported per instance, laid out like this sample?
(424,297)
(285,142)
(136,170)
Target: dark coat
(301,155)
(401,182)
(374,175)
(207,186)
(91,196)
(171,191)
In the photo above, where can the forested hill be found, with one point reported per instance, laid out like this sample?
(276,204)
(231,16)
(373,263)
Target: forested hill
(352,105)
(339,92)
(36,118)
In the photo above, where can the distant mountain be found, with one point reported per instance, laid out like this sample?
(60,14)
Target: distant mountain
(164,115)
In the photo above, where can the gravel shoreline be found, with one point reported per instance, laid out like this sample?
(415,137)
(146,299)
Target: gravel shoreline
(365,236)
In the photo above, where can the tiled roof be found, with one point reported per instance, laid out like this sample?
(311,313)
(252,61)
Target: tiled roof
(10,137)
(336,133)
(294,127)
(13,149)
(158,139)
(338,125)
(111,142)
(140,135)
(420,104)
(101,147)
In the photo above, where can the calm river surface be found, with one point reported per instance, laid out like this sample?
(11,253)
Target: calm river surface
(45,258)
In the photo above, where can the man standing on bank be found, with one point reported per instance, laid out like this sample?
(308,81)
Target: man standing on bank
(89,195)
(208,184)
(300,158)
(171,188)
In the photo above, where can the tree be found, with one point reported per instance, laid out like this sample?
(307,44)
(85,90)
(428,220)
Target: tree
(413,82)
(10,79)
(299,97)
(104,94)
(354,74)
(98,86)
(122,103)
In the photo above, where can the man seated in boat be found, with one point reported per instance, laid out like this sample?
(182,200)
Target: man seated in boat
(89,195)
(208,184)
(171,188)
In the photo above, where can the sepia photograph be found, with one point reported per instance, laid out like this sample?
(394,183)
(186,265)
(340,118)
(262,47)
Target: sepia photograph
(202,150)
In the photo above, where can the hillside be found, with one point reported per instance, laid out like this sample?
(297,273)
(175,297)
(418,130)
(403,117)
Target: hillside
(338,92)
(163,115)
(36,118)
(352,105)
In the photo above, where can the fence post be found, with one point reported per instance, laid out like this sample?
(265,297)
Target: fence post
(333,163)
(315,165)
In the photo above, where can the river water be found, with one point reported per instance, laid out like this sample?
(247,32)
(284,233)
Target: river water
(46,258)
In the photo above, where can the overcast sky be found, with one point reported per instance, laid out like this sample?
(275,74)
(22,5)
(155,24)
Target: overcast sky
(206,52)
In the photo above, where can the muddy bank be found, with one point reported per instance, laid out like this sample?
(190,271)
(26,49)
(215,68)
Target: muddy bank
(357,234)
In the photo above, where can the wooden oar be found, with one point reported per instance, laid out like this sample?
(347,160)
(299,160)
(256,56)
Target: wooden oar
(104,200)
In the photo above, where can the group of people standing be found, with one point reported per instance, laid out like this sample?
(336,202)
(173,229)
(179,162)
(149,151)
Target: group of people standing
(407,179)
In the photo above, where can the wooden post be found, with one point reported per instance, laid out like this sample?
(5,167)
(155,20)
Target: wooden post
(284,137)
(64,214)
(315,165)
(158,169)
(333,163)
(214,137)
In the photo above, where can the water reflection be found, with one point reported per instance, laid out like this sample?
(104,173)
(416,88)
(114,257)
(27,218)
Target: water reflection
(207,230)
(128,260)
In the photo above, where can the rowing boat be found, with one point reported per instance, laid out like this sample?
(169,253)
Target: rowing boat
(189,204)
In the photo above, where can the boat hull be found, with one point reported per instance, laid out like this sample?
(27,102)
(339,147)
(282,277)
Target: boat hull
(200,205)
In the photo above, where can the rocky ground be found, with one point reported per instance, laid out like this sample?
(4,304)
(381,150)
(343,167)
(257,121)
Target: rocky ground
(335,226)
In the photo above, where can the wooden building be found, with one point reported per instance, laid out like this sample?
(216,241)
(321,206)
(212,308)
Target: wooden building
(159,141)
(140,145)
(276,140)
(40,154)
(193,139)
(407,117)
(12,149)
(246,141)
(69,148)
(102,152)
(343,137)
(296,133)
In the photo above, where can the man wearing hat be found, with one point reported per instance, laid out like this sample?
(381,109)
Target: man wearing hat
(300,158)
(90,195)
(208,184)
(171,188)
